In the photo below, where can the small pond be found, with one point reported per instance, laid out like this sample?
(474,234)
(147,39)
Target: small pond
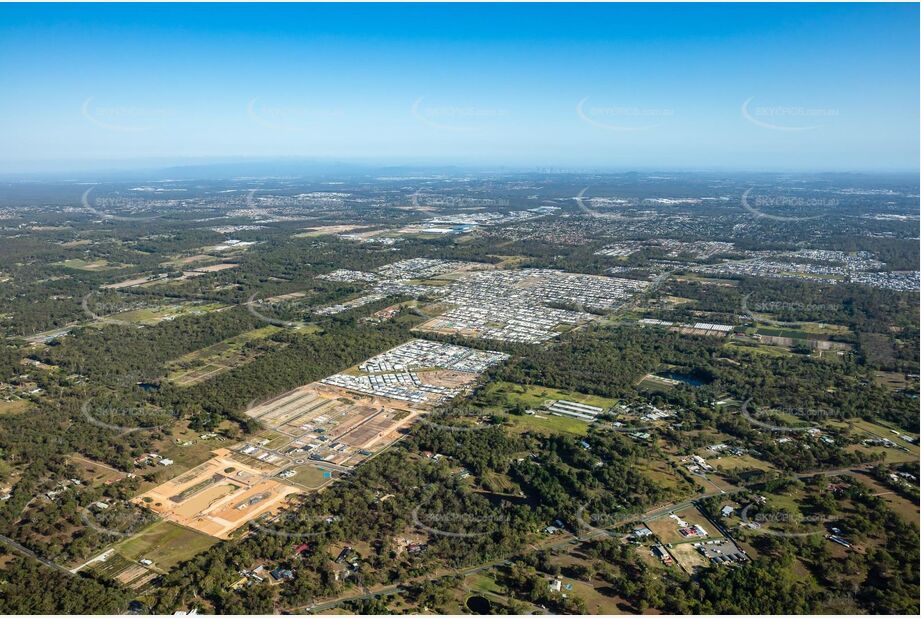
(479,605)
(685,378)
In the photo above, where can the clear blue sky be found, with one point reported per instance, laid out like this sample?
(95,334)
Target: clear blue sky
(779,86)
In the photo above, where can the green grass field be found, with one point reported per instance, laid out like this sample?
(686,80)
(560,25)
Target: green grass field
(783,332)
(863,429)
(664,475)
(903,507)
(310,476)
(536,396)
(14,407)
(743,462)
(892,380)
(767,350)
(548,423)
(96,265)
(651,384)
(821,328)
(504,396)
(166,544)
(148,315)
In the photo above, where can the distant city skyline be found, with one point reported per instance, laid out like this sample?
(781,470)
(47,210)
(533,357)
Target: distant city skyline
(792,87)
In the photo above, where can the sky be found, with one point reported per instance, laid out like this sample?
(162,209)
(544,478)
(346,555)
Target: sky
(763,87)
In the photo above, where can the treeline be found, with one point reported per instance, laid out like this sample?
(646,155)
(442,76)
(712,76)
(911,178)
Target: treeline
(304,358)
(119,350)
(609,361)
(860,308)
(606,361)
(29,587)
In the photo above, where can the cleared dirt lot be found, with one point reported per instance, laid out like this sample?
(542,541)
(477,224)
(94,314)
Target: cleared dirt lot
(327,423)
(447,378)
(218,496)
(688,556)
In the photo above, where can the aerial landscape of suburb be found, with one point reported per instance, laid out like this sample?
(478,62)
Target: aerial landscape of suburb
(496,340)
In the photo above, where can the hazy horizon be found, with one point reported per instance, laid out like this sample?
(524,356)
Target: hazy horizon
(786,88)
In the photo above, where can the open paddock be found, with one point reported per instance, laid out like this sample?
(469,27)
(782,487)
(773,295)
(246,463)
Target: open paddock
(894,380)
(190,259)
(14,406)
(312,476)
(95,472)
(903,507)
(213,268)
(164,543)
(323,230)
